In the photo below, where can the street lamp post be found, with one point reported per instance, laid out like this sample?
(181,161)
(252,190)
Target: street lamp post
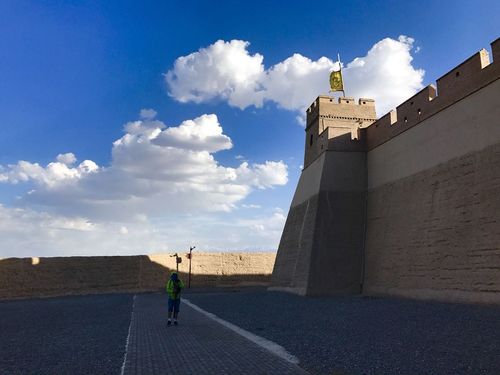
(177,261)
(190,256)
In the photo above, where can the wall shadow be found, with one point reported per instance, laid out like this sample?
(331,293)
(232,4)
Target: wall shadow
(59,276)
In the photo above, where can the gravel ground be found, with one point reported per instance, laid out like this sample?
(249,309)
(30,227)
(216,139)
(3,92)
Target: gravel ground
(67,335)
(359,335)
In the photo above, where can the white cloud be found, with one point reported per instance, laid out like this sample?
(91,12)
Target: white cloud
(227,71)
(223,69)
(155,171)
(162,188)
(53,174)
(250,206)
(385,73)
(267,226)
(26,232)
(68,158)
(263,175)
(297,81)
(202,134)
(147,113)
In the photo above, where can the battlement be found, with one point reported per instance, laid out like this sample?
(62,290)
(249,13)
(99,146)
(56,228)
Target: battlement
(335,123)
(347,124)
(341,108)
(463,80)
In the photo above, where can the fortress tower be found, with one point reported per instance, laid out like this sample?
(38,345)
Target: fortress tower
(332,124)
(407,205)
(321,247)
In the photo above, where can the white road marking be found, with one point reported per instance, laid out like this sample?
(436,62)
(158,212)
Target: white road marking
(261,341)
(128,336)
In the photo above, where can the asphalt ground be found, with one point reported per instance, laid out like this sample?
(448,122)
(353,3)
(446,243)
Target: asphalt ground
(360,335)
(67,335)
(124,334)
(198,345)
(350,335)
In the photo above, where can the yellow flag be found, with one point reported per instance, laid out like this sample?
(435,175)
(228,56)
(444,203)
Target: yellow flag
(336,83)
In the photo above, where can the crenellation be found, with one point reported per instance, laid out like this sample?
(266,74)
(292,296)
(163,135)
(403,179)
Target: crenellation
(312,113)
(366,101)
(495,50)
(333,124)
(381,130)
(414,109)
(466,78)
(453,82)
(345,100)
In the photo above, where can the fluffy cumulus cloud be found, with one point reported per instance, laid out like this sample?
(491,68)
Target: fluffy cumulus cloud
(223,69)
(154,167)
(156,173)
(228,71)
(263,175)
(385,73)
(54,174)
(201,134)
(68,158)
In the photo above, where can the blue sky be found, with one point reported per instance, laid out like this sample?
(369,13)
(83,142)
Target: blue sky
(74,73)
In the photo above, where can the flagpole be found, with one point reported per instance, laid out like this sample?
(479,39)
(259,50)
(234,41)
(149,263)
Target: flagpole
(336,81)
(340,69)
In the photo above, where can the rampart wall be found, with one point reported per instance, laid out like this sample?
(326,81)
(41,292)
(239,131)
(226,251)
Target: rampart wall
(463,80)
(407,205)
(45,277)
(433,214)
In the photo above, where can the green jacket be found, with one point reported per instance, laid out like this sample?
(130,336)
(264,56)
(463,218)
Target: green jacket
(174,292)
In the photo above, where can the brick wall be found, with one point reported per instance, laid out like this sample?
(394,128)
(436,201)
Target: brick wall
(436,234)
(42,277)
(433,216)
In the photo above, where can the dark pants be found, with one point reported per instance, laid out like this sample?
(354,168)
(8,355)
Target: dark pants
(174,304)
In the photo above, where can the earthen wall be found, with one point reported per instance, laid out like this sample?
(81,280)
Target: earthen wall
(433,215)
(463,80)
(411,202)
(44,277)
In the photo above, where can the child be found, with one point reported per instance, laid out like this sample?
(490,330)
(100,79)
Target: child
(174,287)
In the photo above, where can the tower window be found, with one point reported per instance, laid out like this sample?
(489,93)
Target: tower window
(457,74)
(310,140)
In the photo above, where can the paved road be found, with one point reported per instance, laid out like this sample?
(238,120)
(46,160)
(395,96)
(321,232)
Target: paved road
(70,335)
(354,335)
(89,335)
(198,345)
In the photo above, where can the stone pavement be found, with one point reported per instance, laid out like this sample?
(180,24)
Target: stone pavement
(199,345)
(342,335)
(80,335)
